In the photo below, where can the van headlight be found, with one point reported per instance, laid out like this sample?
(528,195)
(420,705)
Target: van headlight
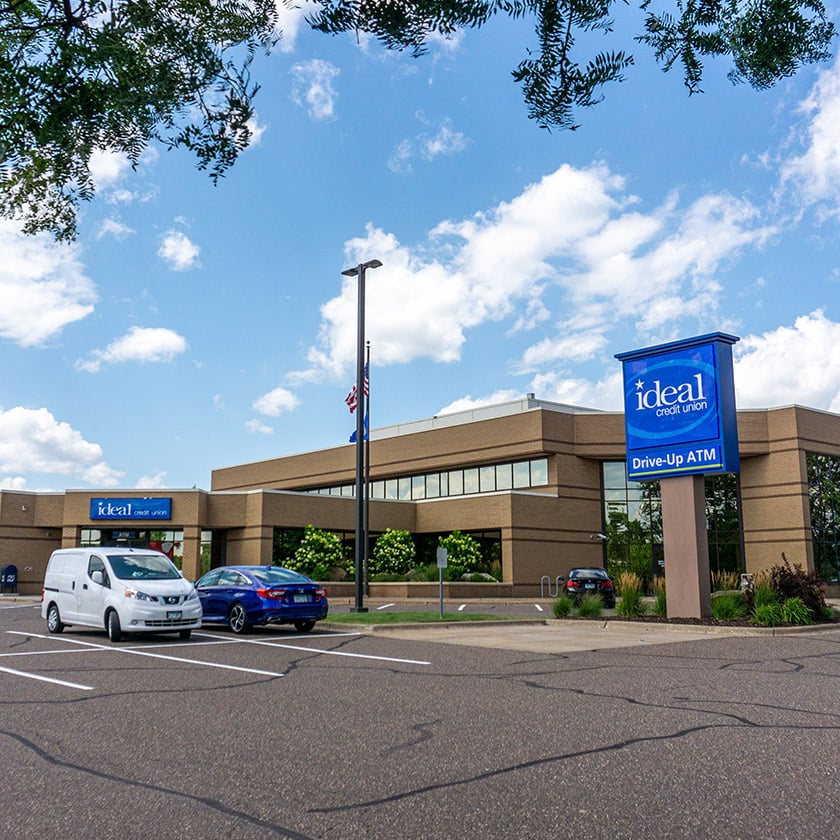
(140,596)
(193,595)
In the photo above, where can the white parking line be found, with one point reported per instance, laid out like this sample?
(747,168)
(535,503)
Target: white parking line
(539,608)
(385,606)
(46,679)
(461,608)
(149,653)
(331,652)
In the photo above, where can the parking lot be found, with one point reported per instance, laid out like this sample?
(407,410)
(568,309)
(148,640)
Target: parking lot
(340,734)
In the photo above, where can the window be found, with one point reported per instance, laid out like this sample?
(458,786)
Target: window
(487,479)
(471,480)
(824,501)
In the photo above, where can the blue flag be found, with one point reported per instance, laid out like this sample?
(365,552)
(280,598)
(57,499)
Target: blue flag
(365,436)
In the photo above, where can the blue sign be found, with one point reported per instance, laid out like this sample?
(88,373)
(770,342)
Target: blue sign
(131,508)
(679,408)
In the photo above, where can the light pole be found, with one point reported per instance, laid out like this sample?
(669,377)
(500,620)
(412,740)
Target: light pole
(359,271)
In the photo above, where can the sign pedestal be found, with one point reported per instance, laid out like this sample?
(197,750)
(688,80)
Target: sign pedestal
(686,544)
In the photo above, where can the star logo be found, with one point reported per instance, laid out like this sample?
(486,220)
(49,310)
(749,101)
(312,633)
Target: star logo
(639,385)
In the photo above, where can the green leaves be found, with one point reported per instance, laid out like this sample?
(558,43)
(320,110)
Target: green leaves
(79,77)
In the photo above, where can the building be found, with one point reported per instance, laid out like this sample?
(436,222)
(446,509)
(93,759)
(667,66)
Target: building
(541,484)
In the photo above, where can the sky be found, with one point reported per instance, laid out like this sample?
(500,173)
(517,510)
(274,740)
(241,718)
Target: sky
(192,326)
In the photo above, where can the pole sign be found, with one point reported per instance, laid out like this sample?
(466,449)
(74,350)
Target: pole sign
(122,508)
(679,408)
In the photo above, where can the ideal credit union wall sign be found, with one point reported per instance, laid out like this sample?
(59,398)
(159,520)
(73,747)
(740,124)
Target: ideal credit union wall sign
(121,508)
(679,408)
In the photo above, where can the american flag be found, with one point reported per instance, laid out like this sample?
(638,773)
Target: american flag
(351,399)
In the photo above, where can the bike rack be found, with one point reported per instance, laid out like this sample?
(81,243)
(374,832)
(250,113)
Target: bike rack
(545,580)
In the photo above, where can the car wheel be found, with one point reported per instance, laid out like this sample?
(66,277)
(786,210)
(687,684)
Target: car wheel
(304,626)
(114,628)
(238,619)
(184,634)
(54,624)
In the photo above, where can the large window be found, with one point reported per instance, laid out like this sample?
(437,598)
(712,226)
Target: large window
(633,522)
(824,494)
(461,482)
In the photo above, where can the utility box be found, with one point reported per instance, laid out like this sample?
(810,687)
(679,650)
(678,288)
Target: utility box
(8,579)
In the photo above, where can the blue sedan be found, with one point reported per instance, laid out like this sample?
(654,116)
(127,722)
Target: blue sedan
(244,596)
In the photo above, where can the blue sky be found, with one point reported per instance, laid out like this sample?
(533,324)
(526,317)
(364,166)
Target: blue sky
(192,327)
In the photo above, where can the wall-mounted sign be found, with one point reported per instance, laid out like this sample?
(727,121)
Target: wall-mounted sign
(679,408)
(131,508)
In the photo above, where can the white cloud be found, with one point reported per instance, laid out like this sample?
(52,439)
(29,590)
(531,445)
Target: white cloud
(33,441)
(816,173)
(43,286)
(115,228)
(798,364)
(467,403)
(255,427)
(445,141)
(290,19)
(139,344)
(155,481)
(572,242)
(276,402)
(107,167)
(564,387)
(179,251)
(313,88)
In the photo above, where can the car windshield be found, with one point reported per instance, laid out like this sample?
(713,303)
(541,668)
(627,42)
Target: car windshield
(590,573)
(142,567)
(276,575)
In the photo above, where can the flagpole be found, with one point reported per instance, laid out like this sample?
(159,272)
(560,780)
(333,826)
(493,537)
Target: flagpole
(359,272)
(366,540)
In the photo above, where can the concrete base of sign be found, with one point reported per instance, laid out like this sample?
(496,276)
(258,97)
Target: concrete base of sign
(686,545)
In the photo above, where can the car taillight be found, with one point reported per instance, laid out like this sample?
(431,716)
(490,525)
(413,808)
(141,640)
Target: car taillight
(606,584)
(271,593)
(321,592)
(573,583)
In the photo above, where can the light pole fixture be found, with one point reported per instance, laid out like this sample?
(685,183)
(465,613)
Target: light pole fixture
(359,271)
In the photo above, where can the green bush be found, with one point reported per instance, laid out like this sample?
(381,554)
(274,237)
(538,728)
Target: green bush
(562,607)
(767,615)
(393,553)
(630,589)
(590,606)
(727,606)
(463,555)
(765,594)
(724,581)
(796,611)
(318,554)
(660,606)
(425,573)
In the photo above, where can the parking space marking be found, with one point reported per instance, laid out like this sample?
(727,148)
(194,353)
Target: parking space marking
(45,679)
(332,652)
(137,652)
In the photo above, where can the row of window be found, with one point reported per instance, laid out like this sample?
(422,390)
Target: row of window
(460,482)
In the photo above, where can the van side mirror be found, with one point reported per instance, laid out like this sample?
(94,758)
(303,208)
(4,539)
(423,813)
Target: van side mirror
(97,577)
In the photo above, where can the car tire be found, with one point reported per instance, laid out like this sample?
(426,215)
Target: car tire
(184,634)
(54,624)
(238,619)
(304,626)
(112,622)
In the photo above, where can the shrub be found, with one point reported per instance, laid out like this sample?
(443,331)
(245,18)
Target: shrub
(660,606)
(794,582)
(393,553)
(724,581)
(764,593)
(796,611)
(318,554)
(562,607)
(630,587)
(590,606)
(463,555)
(767,615)
(727,606)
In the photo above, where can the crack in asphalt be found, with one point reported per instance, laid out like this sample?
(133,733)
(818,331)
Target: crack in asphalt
(213,804)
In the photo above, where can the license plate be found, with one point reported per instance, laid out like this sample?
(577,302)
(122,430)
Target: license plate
(589,585)
(173,613)
(301,599)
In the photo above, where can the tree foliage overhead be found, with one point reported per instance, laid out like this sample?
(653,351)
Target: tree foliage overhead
(77,76)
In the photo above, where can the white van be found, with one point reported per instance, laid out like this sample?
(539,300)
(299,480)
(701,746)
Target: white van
(120,590)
